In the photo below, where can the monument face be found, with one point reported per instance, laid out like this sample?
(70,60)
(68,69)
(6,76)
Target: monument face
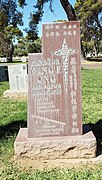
(54,83)
(18,77)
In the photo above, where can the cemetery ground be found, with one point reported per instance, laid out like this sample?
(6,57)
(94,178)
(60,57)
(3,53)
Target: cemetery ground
(13,115)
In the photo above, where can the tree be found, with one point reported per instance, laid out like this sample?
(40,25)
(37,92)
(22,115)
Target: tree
(90,15)
(37,15)
(88,11)
(10,18)
(24,46)
(35,46)
(69,10)
(21,47)
(32,31)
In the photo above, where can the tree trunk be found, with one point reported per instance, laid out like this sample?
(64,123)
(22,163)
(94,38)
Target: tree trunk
(69,10)
(82,51)
(10,55)
(95,49)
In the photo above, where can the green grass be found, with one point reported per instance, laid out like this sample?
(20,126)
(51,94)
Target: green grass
(13,115)
(91,95)
(14,173)
(12,110)
(3,87)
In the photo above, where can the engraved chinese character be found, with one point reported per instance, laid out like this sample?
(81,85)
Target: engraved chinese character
(74,108)
(65,33)
(74,33)
(47,27)
(57,27)
(69,27)
(51,26)
(74,26)
(74,123)
(52,33)
(76,130)
(73,101)
(69,33)
(73,130)
(64,27)
(74,116)
(47,34)
(73,94)
(57,34)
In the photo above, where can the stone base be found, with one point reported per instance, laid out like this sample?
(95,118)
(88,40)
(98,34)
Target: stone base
(68,147)
(15,94)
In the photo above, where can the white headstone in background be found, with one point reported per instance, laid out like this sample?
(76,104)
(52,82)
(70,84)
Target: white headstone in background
(18,77)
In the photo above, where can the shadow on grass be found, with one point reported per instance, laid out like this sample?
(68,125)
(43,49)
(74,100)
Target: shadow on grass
(97,131)
(13,128)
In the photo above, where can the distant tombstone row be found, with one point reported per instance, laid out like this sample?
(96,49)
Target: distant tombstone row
(22,58)
(3,59)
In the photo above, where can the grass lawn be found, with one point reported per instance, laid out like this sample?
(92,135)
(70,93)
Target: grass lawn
(13,115)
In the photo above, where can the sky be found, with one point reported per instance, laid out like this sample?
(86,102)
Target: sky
(58,14)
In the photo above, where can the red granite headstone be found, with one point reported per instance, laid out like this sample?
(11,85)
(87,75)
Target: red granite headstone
(55,107)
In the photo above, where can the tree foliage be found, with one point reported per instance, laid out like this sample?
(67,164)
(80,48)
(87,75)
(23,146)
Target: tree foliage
(32,31)
(34,47)
(10,18)
(25,46)
(89,13)
(36,16)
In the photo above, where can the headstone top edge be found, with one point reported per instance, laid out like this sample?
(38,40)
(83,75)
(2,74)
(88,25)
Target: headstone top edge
(60,22)
(21,64)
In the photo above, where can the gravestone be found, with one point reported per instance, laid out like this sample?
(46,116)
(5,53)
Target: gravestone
(3,74)
(54,83)
(18,77)
(17,81)
(54,98)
